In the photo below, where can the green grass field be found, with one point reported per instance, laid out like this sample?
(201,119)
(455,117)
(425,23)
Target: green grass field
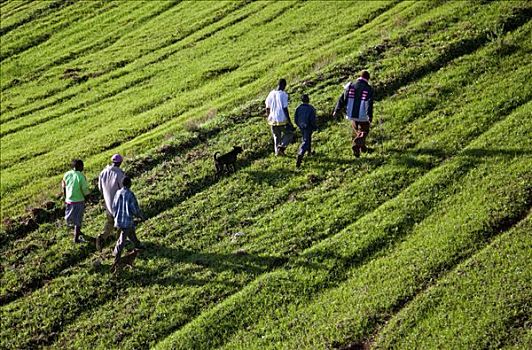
(423,243)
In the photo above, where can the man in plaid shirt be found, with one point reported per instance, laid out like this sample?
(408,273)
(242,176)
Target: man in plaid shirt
(125,208)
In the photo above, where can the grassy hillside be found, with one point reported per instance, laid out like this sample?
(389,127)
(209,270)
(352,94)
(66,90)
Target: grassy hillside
(422,243)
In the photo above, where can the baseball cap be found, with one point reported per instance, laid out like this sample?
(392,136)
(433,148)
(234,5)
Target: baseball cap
(117,158)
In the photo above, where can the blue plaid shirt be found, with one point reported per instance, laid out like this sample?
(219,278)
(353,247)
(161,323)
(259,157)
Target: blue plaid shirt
(125,207)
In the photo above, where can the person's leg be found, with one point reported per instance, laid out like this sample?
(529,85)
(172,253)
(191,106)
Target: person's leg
(132,236)
(300,152)
(309,146)
(77,234)
(301,148)
(74,217)
(276,133)
(363,134)
(68,218)
(120,243)
(354,139)
(305,146)
(79,218)
(306,139)
(288,135)
(108,230)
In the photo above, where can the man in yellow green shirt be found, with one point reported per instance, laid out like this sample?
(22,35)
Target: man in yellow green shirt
(75,189)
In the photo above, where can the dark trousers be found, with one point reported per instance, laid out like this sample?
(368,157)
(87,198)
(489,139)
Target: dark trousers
(125,234)
(360,132)
(305,146)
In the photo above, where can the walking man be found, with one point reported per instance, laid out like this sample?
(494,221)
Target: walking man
(279,119)
(109,182)
(125,208)
(75,189)
(357,99)
(305,118)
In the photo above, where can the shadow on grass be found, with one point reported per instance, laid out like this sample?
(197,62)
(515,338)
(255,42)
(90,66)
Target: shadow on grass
(200,184)
(414,158)
(331,163)
(471,152)
(196,264)
(272,177)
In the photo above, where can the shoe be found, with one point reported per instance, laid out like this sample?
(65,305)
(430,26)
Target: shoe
(280,150)
(80,239)
(298,161)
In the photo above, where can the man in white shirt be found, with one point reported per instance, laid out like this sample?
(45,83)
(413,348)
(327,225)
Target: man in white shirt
(109,182)
(278,118)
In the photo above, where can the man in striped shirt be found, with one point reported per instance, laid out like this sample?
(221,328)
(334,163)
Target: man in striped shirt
(357,99)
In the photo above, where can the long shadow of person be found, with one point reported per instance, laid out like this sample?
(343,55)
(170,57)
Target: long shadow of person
(197,268)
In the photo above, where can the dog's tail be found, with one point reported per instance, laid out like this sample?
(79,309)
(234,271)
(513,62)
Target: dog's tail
(216,158)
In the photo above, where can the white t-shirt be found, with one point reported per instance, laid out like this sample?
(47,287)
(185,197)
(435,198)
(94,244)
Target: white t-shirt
(109,182)
(276,101)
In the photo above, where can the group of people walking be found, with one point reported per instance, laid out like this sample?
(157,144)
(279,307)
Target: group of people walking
(121,205)
(356,100)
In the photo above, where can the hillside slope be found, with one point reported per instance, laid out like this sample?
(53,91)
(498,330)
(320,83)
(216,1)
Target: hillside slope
(422,243)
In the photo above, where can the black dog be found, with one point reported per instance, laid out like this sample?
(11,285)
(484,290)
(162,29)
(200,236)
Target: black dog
(227,160)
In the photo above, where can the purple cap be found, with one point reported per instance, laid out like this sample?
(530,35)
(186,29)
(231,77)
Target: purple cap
(116,158)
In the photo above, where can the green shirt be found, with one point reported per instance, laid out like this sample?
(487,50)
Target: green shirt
(76,187)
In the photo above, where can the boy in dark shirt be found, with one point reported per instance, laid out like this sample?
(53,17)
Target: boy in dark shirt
(305,119)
